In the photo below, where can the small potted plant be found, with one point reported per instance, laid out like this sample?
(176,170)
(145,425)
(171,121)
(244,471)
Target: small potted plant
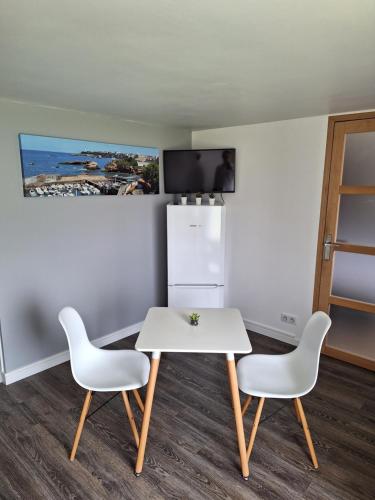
(211,199)
(183,199)
(194,319)
(198,199)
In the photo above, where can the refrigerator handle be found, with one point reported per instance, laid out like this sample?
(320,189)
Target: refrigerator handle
(196,285)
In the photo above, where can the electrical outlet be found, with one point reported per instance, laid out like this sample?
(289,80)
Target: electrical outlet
(288,318)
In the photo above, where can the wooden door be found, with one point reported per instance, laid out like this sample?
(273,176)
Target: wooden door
(345,272)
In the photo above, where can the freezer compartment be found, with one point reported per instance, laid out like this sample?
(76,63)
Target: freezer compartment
(196,296)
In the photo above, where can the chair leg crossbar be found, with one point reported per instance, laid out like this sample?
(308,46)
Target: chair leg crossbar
(129,412)
(139,400)
(301,420)
(246,405)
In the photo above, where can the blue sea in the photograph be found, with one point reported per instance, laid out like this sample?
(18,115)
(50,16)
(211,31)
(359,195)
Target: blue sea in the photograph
(51,162)
(77,168)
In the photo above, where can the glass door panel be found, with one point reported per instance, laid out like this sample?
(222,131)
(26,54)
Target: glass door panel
(352,332)
(359,159)
(354,276)
(356,223)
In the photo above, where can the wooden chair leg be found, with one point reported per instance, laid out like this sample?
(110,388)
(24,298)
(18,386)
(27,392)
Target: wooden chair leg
(130,414)
(296,410)
(85,409)
(255,427)
(246,405)
(139,400)
(307,433)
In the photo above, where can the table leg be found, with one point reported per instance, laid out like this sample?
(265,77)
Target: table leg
(147,411)
(233,383)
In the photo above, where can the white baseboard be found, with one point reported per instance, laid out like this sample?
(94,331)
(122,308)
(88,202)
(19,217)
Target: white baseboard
(270,331)
(61,357)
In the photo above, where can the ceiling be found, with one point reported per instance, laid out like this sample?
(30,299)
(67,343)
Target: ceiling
(190,63)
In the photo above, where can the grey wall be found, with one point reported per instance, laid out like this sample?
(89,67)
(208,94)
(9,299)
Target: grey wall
(106,256)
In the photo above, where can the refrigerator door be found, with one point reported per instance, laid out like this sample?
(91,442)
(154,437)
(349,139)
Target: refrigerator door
(196,296)
(195,245)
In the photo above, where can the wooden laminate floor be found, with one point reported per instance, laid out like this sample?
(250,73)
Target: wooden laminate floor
(192,450)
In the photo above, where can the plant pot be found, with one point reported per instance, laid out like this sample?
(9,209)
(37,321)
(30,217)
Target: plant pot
(194,322)
(198,201)
(211,201)
(183,200)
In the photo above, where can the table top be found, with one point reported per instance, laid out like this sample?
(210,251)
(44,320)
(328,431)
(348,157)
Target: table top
(167,329)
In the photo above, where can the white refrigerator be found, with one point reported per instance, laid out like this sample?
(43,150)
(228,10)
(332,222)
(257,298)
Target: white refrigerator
(196,244)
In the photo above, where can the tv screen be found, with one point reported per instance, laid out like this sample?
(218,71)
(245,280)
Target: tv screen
(199,171)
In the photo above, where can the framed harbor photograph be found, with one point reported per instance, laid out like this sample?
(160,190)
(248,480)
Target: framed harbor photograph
(56,167)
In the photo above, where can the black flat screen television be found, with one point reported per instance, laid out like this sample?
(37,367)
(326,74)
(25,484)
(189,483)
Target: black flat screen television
(199,171)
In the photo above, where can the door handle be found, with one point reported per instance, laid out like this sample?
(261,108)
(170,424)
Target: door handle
(327,247)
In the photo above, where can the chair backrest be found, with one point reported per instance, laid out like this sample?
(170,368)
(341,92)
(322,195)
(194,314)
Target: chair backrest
(80,347)
(307,353)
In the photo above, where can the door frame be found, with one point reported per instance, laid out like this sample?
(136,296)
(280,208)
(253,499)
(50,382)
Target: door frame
(332,120)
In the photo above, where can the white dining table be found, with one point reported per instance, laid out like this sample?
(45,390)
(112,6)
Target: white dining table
(220,331)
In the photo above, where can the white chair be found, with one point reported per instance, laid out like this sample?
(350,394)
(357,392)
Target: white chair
(287,376)
(102,370)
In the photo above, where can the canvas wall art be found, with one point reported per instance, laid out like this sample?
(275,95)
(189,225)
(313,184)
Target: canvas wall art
(56,167)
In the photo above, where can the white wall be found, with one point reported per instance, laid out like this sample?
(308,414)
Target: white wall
(104,255)
(273,219)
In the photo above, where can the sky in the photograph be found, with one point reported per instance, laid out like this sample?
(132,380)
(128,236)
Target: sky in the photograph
(43,143)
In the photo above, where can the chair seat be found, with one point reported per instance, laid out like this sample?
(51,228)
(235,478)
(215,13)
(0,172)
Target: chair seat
(272,376)
(113,370)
